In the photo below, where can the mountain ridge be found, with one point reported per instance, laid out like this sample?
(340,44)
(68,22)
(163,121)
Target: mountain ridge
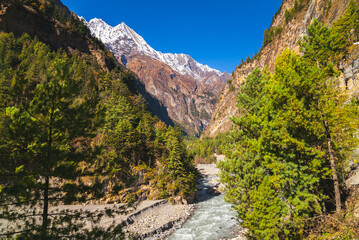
(180,62)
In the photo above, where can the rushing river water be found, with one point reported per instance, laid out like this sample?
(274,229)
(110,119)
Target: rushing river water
(212,219)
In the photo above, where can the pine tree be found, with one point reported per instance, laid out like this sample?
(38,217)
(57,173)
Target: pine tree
(48,121)
(336,108)
(178,165)
(243,171)
(318,45)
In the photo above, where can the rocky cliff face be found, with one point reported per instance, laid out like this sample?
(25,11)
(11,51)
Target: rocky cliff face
(323,10)
(185,87)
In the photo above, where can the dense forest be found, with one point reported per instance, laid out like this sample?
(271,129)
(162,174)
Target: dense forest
(72,132)
(293,144)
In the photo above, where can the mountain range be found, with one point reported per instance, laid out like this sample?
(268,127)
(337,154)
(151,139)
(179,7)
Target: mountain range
(124,41)
(187,89)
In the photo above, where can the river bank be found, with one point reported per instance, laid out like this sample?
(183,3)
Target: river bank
(150,219)
(209,218)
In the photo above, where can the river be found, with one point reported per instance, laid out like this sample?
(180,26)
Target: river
(213,218)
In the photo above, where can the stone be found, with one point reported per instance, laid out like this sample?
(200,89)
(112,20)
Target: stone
(178,200)
(349,71)
(356,64)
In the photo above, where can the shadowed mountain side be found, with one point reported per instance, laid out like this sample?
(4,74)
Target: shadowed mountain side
(154,105)
(20,19)
(188,103)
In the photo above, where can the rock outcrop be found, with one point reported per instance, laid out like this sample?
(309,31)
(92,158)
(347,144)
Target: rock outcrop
(323,10)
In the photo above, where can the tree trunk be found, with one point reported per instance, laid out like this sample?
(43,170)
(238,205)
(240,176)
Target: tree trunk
(46,207)
(338,202)
(45,213)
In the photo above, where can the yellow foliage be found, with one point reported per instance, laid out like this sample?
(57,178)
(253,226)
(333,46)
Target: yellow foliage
(109,54)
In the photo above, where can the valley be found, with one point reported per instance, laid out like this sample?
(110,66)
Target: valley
(104,137)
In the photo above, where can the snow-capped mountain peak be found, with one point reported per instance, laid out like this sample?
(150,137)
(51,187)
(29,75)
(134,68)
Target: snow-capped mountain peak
(124,41)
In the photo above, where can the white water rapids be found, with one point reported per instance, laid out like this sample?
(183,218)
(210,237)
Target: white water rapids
(212,219)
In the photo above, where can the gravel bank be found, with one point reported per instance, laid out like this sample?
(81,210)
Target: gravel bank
(153,219)
(158,221)
(149,220)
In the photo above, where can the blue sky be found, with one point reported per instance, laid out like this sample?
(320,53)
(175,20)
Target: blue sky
(217,33)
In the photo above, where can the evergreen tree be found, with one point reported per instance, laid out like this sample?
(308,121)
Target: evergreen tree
(179,166)
(47,126)
(338,112)
(243,171)
(318,47)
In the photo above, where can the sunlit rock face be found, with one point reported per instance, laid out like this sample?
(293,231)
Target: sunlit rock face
(291,33)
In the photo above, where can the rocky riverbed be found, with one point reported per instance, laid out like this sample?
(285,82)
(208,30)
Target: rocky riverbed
(210,218)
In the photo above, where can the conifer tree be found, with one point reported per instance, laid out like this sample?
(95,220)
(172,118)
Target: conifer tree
(243,171)
(336,108)
(179,165)
(47,124)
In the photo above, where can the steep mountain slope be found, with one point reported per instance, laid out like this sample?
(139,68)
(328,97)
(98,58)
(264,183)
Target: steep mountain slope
(186,103)
(286,32)
(187,88)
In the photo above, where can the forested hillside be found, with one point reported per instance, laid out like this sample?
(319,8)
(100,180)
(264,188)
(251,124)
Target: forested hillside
(293,143)
(73,128)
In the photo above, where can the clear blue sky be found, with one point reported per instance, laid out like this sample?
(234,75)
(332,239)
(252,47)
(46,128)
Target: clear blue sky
(217,33)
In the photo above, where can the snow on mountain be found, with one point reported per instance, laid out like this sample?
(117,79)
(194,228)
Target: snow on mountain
(124,41)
